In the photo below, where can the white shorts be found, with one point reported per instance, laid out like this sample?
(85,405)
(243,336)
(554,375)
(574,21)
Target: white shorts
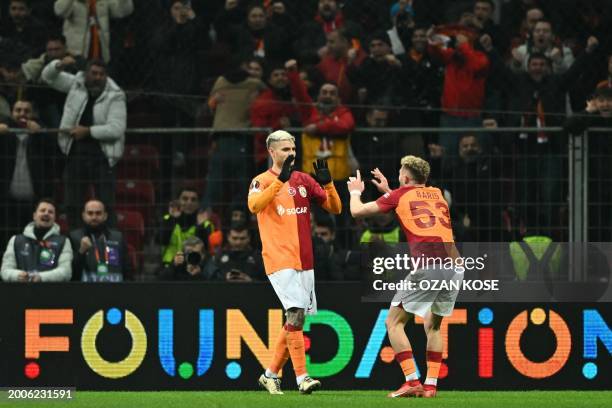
(295,289)
(440,302)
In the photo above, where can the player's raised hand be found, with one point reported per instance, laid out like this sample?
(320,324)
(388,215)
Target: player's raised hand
(285,173)
(355,184)
(322,174)
(380,181)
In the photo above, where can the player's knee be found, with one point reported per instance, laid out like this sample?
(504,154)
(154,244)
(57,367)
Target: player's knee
(393,322)
(432,324)
(295,317)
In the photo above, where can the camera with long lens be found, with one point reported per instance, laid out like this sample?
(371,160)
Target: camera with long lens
(194,258)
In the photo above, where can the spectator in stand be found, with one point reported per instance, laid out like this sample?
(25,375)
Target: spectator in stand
(421,78)
(190,263)
(22,27)
(93,133)
(11,80)
(230,165)
(50,102)
(255,67)
(178,43)
(377,77)
(403,26)
(259,35)
(312,45)
(184,219)
(100,252)
(87,24)
(384,149)
(327,126)
(473,181)
(327,135)
(342,55)
(464,81)
(518,18)
(542,96)
(237,261)
(607,83)
(331,261)
(598,113)
(40,253)
(543,41)
(273,108)
(483,11)
(26,172)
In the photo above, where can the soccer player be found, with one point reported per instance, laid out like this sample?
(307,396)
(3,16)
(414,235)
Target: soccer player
(425,219)
(281,199)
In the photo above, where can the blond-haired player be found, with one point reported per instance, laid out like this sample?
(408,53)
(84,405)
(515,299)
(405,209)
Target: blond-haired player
(425,219)
(281,198)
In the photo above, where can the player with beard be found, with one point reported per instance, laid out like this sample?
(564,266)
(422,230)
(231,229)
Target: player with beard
(281,198)
(100,252)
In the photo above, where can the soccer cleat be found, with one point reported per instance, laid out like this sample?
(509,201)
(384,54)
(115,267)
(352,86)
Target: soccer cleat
(308,385)
(408,389)
(270,384)
(429,391)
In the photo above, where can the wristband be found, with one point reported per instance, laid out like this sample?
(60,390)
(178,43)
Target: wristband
(355,193)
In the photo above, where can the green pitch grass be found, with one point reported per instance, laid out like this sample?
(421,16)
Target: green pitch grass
(325,399)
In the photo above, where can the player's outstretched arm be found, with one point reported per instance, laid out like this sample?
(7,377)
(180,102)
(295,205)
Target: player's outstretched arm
(332,203)
(359,209)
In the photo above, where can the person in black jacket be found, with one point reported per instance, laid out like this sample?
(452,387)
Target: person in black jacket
(237,261)
(541,97)
(377,76)
(473,180)
(311,45)
(259,35)
(598,113)
(21,26)
(26,168)
(100,252)
(189,263)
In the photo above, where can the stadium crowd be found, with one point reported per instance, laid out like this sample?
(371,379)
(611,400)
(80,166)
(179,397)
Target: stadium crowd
(89,69)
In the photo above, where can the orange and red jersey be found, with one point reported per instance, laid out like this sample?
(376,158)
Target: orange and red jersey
(423,215)
(283,217)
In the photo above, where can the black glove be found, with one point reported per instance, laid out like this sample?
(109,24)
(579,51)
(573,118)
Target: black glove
(285,173)
(322,174)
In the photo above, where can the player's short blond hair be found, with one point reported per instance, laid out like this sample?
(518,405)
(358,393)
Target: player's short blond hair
(418,167)
(279,136)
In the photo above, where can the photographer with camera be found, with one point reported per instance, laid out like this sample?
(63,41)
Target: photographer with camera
(190,263)
(237,261)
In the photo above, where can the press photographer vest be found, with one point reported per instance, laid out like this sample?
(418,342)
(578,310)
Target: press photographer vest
(40,256)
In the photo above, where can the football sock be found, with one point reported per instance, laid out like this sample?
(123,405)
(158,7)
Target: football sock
(434,360)
(405,360)
(281,354)
(295,344)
